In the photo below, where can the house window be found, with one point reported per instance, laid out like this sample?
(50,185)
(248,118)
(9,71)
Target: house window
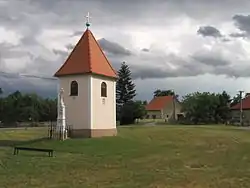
(74,88)
(103,89)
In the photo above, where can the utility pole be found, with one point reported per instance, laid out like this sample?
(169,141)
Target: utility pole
(241,111)
(174,110)
(1,105)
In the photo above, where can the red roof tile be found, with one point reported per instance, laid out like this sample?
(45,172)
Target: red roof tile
(245,104)
(158,103)
(87,57)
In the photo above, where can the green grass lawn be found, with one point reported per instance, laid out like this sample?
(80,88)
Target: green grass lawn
(153,157)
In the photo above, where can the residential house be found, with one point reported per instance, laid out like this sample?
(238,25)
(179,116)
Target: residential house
(235,111)
(163,107)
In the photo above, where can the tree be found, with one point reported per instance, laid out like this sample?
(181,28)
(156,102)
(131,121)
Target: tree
(131,111)
(158,93)
(199,107)
(18,107)
(206,107)
(139,109)
(235,100)
(223,109)
(127,113)
(125,93)
(1,91)
(125,88)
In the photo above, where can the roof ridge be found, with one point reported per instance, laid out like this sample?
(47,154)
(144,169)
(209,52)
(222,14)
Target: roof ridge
(89,49)
(102,52)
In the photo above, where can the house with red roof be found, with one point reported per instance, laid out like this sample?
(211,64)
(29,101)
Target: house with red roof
(163,107)
(235,110)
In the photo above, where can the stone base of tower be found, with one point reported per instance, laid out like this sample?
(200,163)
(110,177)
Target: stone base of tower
(92,133)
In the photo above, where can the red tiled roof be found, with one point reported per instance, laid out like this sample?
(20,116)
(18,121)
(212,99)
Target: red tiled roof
(158,103)
(87,57)
(245,104)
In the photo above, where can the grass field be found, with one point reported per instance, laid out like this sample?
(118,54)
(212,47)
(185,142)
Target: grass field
(153,157)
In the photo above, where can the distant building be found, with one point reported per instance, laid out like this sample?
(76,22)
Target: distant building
(163,107)
(235,111)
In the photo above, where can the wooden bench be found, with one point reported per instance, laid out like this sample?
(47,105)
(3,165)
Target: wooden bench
(17,148)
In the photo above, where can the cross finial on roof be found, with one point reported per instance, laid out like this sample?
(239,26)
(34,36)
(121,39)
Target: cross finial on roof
(88,17)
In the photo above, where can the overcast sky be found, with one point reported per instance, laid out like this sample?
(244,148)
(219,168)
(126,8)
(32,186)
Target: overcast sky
(185,45)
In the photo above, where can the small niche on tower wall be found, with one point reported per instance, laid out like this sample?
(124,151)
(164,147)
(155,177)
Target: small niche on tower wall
(74,88)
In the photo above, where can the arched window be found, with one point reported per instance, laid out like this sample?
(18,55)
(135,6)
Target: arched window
(104,89)
(74,88)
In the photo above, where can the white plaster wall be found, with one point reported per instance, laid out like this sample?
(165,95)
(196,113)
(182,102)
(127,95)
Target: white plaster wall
(77,108)
(169,110)
(157,113)
(103,108)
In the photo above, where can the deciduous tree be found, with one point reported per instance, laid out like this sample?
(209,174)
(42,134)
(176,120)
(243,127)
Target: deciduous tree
(206,107)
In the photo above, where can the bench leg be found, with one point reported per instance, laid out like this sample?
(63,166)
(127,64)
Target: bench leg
(16,151)
(51,153)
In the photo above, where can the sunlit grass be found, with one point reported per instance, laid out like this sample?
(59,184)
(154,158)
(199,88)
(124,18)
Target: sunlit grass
(159,156)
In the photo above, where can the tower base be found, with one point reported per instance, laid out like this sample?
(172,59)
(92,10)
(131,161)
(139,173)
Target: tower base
(61,135)
(92,133)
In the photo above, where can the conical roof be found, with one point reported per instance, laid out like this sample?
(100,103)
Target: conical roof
(87,57)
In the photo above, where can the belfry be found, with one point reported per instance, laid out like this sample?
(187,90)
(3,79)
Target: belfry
(89,84)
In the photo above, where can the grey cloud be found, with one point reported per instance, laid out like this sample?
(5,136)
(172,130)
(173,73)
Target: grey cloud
(60,52)
(70,46)
(145,50)
(209,31)
(12,82)
(225,39)
(242,22)
(210,59)
(143,72)
(77,33)
(103,11)
(158,67)
(8,50)
(113,48)
(199,63)
(58,14)
(233,71)
(44,66)
(30,18)
(109,47)
(187,71)
(238,35)
(151,65)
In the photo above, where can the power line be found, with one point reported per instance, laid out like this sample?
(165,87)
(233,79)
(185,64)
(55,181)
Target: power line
(14,75)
